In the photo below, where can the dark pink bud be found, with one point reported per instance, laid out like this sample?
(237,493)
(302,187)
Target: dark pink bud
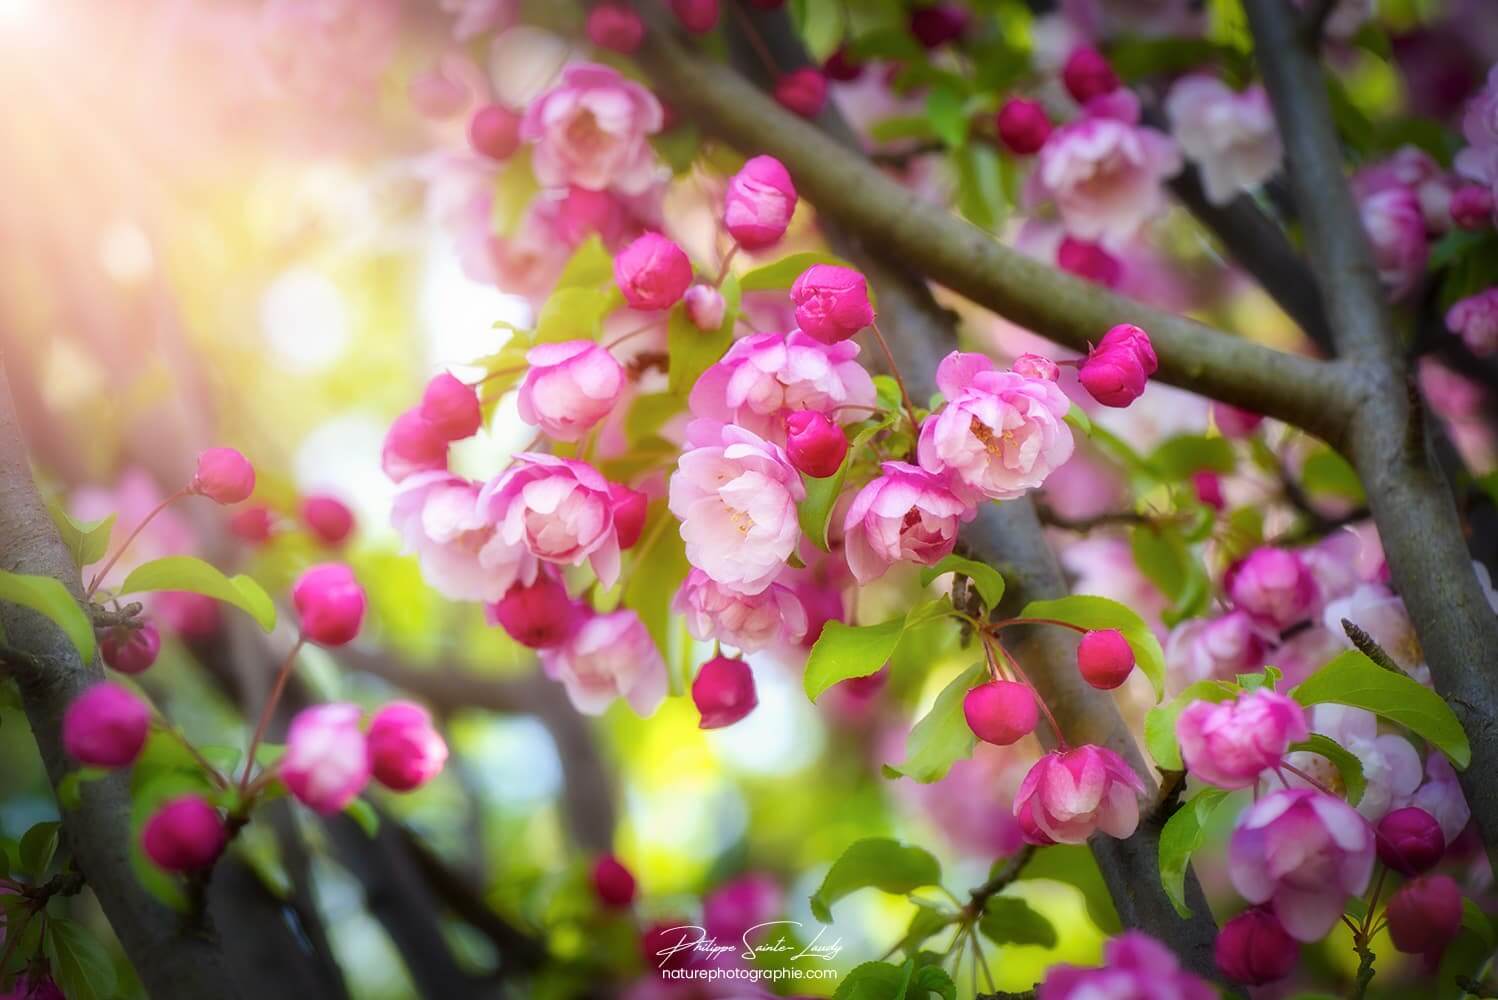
(938,24)
(1410,841)
(1136,340)
(1208,487)
(759,203)
(652,272)
(1090,261)
(1088,75)
(405,749)
(1116,371)
(184,835)
(540,616)
(105,726)
(1023,125)
(814,444)
(841,66)
(1425,915)
(223,476)
(451,407)
(1001,712)
(330,604)
(1234,422)
(823,604)
(615,27)
(614,883)
(697,16)
(803,91)
(1472,207)
(1253,949)
(1036,366)
(723,692)
(1105,658)
(412,445)
(629,513)
(328,518)
(494,131)
(832,302)
(252,524)
(130,651)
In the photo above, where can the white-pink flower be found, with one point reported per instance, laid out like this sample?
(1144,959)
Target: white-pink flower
(592,130)
(569,388)
(1070,794)
(610,656)
(906,514)
(558,509)
(1396,230)
(1213,649)
(765,376)
(747,622)
(1230,744)
(1000,433)
(1105,176)
(735,495)
(1475,320)
(1229,136)
(326,764)
(461,552)
(1391,765)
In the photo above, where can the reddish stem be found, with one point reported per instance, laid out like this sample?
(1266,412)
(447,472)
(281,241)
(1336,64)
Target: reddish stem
(98,578)
(894,370)
(999,625)
(1020,673)
(282,676)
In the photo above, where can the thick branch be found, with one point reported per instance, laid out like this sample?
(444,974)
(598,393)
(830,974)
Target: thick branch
(1387,442)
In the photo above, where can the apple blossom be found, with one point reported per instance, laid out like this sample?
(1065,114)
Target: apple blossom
(224,476)
(832,302)
(907,513)
(1070,794)
(1135,967)
(413,445)
(1425,915)
(697,16)
(105,726)
(1391,766)
(652,272)
(1234,422)
(747,622)
(1219,648)
(494,132)
(130,650)
(1441,795)
(569,387)
(405,749)
(252,524)
(560,510)
(186,834)
(1273,585)
(592,130)
(1208,489)
(460,549)
(1303,852)
(1475,320)
(705,306)
(1230,744)
(823,604)
(802,90)
(1000,712)
(1087,74)
(540,614)
(613,883)
(1231,137)
(1036,366)
(1472,207)
(1410,840)
(475,17)
(1396,231)
(610,656)
(616,27)
(326,764)
(191,616)
(451,407)
(329,603)
(739,906)
(1088,260)
(1253,948)
(814,444)
(723,692)
(842,66)
(328,518)
(1105,176)
(759,203)
(442,90)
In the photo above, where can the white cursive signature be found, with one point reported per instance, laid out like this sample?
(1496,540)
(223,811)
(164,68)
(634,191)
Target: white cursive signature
(696,940)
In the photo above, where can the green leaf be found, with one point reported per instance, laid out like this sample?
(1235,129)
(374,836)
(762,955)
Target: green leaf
(199,577)
(573,314)
(1325,473)
(70,788)
(87,541)
(1179,457)
(590,266)
(1160,721)
(873,981)
(928,920)
(784,272)
(79,964)
(946,108)
(844,651)
(1093,613)
(1353,679)
(980,185)
(49,597)
(1074,865)
(1348,766)
(989,581)
(1182,835)
(815,511)
(39,847)
(648,414)
(656,570)
(693,351)
(361,812)
(27,941)
(877,863)
(1478,923)
(929,979)
(942,736)
(1079,420)
(1010,920)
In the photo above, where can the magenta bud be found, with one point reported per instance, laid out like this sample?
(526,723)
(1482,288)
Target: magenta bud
(823,604)
(1472,207)
(330,604)
(328,518)
(412,445)
(540,616)
(1234,422)
(186,834)
(1253,948)
(105,726)
(1105,658)
(252,524)
(629,513)
(652,272)
(130,651)
(405,749)
(614,883)
(1023,125)
(1208,487)
(615,27)
(1118,368)
(1410,841)
(705,307)
(938,24)
(832,302)
(723,692)
(494,131)
(1425,915)
(1036,366)
(803,91)
(1001,712)
(1088,260)
(1088,75)
(223,476)
(814,444)
(842,66)
(697,16)
(759,203)
(451,407)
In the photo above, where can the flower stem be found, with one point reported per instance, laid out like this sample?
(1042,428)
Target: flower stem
(1020,673)
(723,267)
(282,676)
(99,576)
(894,370)
(1000,625)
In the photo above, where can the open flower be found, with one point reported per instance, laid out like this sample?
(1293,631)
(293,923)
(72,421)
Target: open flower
(1105,176)
(1135,966)
(1229,136)
(906,514)
(1070,794)
(747,622)
(461,552)
(569,388)
(560,510)
(1231,744)
(592,130)
(610,656)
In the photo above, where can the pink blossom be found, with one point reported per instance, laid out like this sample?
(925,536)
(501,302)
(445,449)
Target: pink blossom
(1254,949)
(1416,171)
(326,764)
(1480,118)
(802,90)
(539,615)
(1105,176)
(705,307)
(1380,612)
(1087,74)
(569,388)
(1472,207)
(328,519)
(1104,658)
(1475,320)
(1000,433)
(652,273)
(591,130)
(1441,796)
(1303,852)
(766,376)
(759,203)
(934,25)
(1213,648)
(1135,967)
(1410,841)
(106,726)
(494,131)
(1088,260)
(832,302)
(747,622)
(697,16)
(1272,584)
(615,26)
(723,692)
(560,510)
(130,650)
(224,476)
(1229,136)
(327,50)
(1229,745)
(611,656)
(1000,712)
(614,883)
(477,17)
(444,89)
(1235,422)
(1425,916)
(451,407)
(735,495)
(740,905)
(405,749)
(906,514)
(1391,765)
(413,445)
(814,444)
(1396,230)
(185,834)
(1023,125)
(330,604)
(1116,371)
(462,552)
(1070,794)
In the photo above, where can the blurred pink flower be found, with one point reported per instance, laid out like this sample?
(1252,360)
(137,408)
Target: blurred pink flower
(1231,137)
(592,130)
(610,656)
(1105,176)
(747,622)
(462,553)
